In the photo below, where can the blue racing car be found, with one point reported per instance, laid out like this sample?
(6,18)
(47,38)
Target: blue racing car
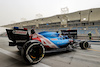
(34,46)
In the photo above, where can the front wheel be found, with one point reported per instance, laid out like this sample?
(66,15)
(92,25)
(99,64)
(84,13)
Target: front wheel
(84,45)
(33,52)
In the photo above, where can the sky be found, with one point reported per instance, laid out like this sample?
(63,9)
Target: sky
(11,11)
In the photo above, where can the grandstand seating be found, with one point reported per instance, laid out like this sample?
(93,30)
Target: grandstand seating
(80,30)
(98,30)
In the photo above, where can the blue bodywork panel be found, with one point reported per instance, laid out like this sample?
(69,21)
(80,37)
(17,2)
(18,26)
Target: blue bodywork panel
(56,38)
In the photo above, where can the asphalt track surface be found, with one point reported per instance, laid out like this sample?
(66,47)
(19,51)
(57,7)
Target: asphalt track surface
(11,57)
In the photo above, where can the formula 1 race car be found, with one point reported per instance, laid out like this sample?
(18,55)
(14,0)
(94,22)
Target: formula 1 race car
(33,47)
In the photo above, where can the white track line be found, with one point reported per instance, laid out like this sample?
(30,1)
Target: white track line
(13,55)
(40,65)
(17,57)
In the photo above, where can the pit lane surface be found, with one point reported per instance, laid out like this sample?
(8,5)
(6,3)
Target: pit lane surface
(11,57)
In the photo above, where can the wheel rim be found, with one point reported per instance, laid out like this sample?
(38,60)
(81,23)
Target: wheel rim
(85,45)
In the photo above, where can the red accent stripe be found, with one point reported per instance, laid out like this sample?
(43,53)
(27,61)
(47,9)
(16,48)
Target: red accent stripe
(46,46)
(43,38)
(36,39)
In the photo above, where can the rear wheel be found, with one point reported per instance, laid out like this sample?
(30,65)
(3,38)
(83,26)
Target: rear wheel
(33,52)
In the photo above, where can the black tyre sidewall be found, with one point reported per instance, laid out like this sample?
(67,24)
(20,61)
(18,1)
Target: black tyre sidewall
(23,52)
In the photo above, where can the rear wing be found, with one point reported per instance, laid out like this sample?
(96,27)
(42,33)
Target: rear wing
(18,35)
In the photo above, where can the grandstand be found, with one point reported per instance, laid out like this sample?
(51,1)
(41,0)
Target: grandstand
(84,21)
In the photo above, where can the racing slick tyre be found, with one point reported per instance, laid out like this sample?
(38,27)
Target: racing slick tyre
(33,52)
(84,45)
